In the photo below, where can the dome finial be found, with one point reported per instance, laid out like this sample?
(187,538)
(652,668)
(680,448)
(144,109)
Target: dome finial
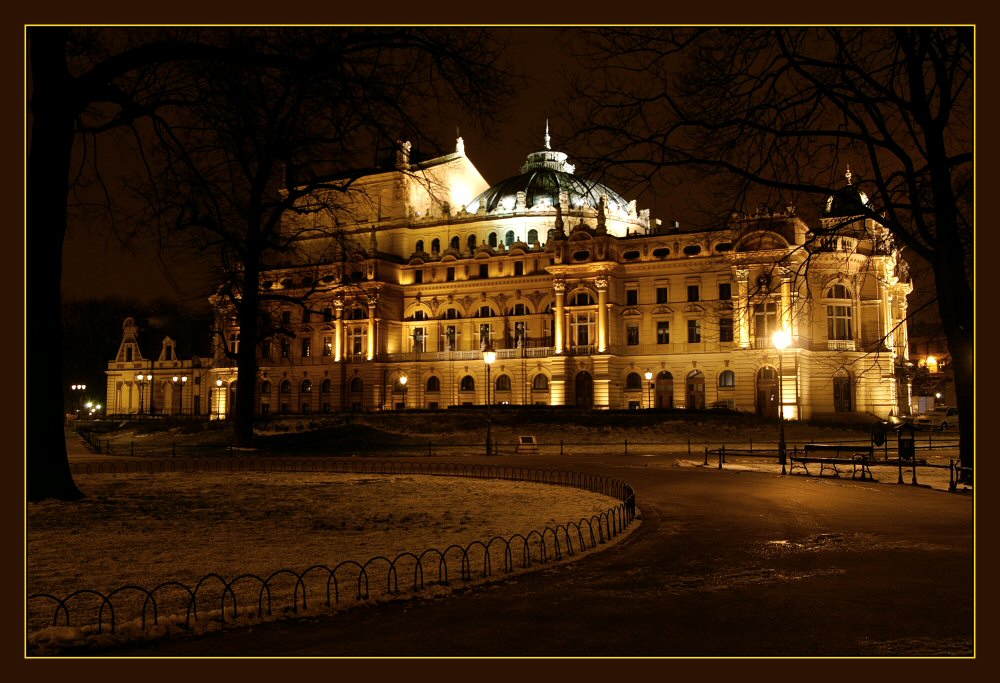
(848,174)
(547,139)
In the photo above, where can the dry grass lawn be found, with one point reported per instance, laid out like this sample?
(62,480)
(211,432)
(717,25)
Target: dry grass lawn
(146,529)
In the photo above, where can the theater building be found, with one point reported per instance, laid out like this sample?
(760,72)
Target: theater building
(584,300)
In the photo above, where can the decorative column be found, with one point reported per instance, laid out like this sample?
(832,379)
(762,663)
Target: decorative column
(602,314)
(558,332)
(371,331)
(338,330)
(742,308)
(786,301)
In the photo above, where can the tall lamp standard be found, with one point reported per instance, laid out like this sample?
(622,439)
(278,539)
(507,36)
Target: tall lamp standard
(180,402)
(649,390)
(402,382)
(781,341)
(489,357)
(77,390)
(218,395)
(143,380)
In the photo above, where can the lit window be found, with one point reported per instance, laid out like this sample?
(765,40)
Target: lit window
(662,331)
(694,331)
(632,334)
(727,378)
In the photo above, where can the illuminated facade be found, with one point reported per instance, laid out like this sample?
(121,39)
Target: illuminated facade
(581,296)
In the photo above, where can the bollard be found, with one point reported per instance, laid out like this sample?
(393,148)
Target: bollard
(751,444)
(913,482)
(952,484)
(626,446)
(899,463)
(689,446)
(706,455)
(722,451)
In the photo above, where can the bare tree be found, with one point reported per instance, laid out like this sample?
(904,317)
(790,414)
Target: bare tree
(94,85)
(776,115)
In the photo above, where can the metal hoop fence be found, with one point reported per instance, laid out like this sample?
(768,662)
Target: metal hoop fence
(321,587)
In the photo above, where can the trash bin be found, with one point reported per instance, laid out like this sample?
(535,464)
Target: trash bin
(906,442)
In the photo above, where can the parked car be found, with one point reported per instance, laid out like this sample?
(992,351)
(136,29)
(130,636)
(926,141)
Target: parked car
(941,417)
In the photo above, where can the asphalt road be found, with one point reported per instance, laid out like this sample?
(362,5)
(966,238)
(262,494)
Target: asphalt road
(724,563)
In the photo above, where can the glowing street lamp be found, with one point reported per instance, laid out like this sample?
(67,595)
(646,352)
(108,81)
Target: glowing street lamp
(218,397)
(180,402)
(77,390)
(489,357)
(143,381)
(781,339)
(402,383)
(649,384)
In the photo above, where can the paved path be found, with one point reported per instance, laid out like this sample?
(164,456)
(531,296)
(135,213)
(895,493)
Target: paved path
(723,563)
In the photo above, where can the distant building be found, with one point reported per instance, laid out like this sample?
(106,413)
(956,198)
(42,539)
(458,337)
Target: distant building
(580,295)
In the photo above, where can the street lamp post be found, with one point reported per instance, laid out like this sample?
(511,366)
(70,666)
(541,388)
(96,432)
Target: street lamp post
(781,341)
(649,391)
(218,396)
(402,383)
(143,379)
(489,357)
(180,402)
(77,390)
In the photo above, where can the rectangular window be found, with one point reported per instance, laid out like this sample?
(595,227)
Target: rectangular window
(838,322)
(450,275)
(327,346)
(170,353)
(484,270)
(694,292)
(450,338)
(694,331)
(234,342)
(725,290)
(306,347)
(662,295)
(418,276)
(286,317)
(128,354)
(518,267)
(632,334)
(662,331)
(631,297)
(306,316)
(725,329)
(765,317)
(327,315)
(265,349)
(286,349)
(419,339)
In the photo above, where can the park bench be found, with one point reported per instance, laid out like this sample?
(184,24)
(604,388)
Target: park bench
(831,455)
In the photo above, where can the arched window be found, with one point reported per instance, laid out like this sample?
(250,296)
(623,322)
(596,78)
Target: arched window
(503,383)
(519,309)
(540,383)
(286,387)
(420,246)
(358,314)
(452,314)
(839,323)
(485,312)
(455,242)
(472,242)
(582,299)
(727,378)
(492,239)
(633,382)
(467,384)
(435,245)
(433,384)
(509,238)
(532,236)
(265,387)
(325,387)
(306,386)
(356,385)
(696,390)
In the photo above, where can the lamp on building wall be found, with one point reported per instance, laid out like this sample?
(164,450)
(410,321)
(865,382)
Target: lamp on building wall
(143,381)
(180,402)
(781,341)
(402,383)
(649,384)
(932,364)
(489,357)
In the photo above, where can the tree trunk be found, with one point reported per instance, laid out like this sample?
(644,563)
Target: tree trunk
(52,131)
(246,357)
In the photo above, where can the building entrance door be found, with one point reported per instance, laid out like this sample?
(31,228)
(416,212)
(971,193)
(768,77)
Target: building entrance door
(664,390)
(767,392)
(584,390)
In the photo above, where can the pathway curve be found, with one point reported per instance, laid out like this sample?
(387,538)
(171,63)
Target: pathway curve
(723,564)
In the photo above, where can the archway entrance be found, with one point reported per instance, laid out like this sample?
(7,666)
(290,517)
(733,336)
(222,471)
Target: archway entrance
(695,390)
(767,392)
(843,395)
(664,390)
(584,387)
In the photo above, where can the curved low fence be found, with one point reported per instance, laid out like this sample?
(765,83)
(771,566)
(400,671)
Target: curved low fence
(322,587)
